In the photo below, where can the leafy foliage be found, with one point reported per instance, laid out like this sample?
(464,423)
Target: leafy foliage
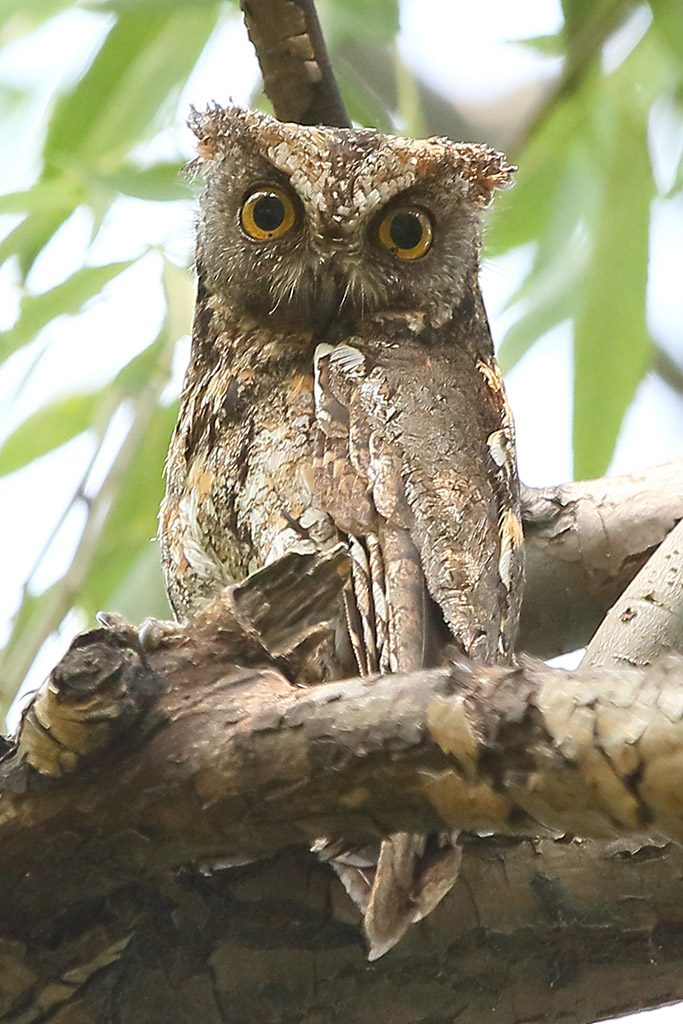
(582,205)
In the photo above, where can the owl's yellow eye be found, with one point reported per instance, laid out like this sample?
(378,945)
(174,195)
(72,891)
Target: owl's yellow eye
(406,232)
(267,213)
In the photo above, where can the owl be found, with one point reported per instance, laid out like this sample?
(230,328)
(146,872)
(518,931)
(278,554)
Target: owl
(342,386)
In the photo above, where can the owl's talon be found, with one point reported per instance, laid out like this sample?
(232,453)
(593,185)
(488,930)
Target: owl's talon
(111,620)
(152,632)
(118,625)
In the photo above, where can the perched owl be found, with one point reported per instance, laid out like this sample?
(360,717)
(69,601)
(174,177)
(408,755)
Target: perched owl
(342,385)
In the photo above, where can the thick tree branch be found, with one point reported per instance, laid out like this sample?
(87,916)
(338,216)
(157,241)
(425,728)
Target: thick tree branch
(137,736)
(585,542)
(297,74)
(147,752)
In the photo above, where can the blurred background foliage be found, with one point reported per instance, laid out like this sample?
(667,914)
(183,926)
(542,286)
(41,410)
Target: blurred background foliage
(109,126)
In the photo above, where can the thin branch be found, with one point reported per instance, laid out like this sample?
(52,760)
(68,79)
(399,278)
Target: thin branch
(585,542)
(297,74)
(19,659)
(668,369)
(647,620)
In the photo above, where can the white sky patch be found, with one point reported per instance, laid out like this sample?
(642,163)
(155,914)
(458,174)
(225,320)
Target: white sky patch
(473,57)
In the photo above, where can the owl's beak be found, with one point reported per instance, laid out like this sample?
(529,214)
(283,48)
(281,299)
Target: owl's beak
(325,293)
(328,295)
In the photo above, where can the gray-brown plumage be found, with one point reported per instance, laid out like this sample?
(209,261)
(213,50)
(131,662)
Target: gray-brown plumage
(342,385)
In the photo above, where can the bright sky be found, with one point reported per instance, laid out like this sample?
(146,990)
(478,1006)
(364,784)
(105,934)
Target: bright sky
(470,59)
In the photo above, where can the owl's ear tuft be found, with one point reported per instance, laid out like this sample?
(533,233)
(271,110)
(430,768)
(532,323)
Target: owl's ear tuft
(484,169)
(210,128)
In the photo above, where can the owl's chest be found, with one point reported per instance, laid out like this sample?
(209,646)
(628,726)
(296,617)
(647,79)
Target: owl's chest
(258,500)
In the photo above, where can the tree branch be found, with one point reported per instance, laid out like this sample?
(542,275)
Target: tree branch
(147,752)
(297,74)
(585,542)
(648,617)
(525,751)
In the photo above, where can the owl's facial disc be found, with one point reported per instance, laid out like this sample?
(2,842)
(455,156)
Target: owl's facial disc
(320,263)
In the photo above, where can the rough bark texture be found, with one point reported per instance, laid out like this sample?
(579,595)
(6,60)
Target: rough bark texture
(297,75)
(585,542)
(139,763)
(534,932)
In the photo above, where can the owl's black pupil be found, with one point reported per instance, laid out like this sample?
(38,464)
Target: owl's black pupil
(268,213)
(405,230)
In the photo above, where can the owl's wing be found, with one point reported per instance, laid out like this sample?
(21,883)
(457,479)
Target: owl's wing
(417,467)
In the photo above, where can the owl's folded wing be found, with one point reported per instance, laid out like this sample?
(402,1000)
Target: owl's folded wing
(416,445)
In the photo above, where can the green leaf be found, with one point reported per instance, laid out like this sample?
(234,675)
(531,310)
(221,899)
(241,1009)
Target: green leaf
(57,193)
(27,239)
(27,623)
(668,19)
(550,45)
(46,429)
(122,6)
(146,56)
(179,291)
(142,593)
(159,183)
(374,23)
(536,321)
(132,518)
(67,297)
(20,19)
(611,341)
(588,23)
(362,102)
(522,214)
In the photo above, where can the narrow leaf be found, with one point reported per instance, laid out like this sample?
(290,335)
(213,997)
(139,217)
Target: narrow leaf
(160,183)
(132,519)
(54,194)
(144,58)
(521,215)
(49,427)
(668,15)
(536,321)
(67,297)
(611,341)
(27,239)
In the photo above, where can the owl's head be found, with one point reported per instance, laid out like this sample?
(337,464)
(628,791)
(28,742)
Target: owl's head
(324,224)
